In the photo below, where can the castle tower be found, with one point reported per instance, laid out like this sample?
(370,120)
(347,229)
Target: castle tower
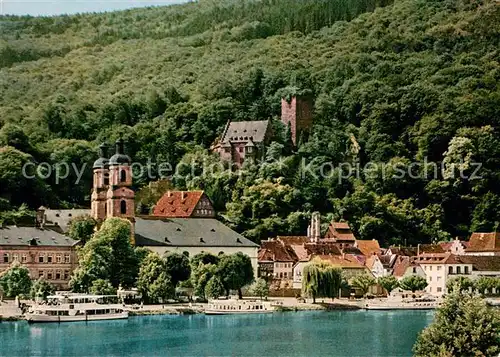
(100,184)
(298,115)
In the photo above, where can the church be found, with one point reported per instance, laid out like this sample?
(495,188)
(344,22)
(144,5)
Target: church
(182,221)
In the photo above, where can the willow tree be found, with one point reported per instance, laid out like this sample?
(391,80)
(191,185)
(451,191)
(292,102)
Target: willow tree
(321,279)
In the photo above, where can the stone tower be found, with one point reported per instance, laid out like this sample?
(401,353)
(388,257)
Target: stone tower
(298,114)
(100,185)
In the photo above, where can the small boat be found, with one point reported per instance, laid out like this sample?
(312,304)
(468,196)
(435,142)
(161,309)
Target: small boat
(76,307)
(237,307)
(404,301)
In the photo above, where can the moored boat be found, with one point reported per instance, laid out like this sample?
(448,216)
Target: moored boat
(404,300)
(70,308)
(236,307)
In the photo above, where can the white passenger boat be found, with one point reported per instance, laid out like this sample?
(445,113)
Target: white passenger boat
(403,300)
(236,307)
(69,307)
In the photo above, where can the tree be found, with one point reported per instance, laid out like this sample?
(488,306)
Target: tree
(464,325)
(177,267)
(203,258)
(321,279)
(107,255)
(214,288)
(200,277)
(40,289)
(81,228)
(413,283)
(462,282)
(15,281)
(362,282)
(153,282)
(235,271)
(102,287)
(485,284)
(260,288)
(389,283)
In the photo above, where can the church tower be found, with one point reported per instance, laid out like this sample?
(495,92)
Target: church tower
(120,196)
(100,185)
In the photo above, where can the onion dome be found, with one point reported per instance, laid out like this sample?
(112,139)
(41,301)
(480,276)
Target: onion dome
(119,158)
(102,161)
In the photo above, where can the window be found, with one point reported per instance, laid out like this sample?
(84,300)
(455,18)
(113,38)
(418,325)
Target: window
(438,268)
(49,275)
(414,270)
(439,289)
(58,275)
(123,207)
(67,258)
(438,278)
(5,257)
(450,270)
(123,176)
(66,274)
(430,278)
(49,258)
(458,270)
(240,149)
(40,274)
(58,258)
(15,257)
(40,258)
(466,270)
(430,268)
(24,258)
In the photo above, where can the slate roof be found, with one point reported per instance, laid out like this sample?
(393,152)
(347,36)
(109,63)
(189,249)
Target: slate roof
(177,204)
(29,236)
(368,247)
(62,217)
(186,232)
(246,130)
(484,242)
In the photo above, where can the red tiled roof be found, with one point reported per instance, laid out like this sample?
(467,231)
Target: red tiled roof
(177,204)
(342,261)
(430,248)
(368,247)
(293,239)
(340,231)
(322,249)
(402,263)
(404,251)
(484,242)
(482,263)
(446,245)
(276,251)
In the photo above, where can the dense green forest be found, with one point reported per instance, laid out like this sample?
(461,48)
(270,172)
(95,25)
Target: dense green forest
(395,83)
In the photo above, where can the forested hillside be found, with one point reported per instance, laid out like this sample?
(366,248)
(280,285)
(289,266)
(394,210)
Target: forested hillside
(404,85)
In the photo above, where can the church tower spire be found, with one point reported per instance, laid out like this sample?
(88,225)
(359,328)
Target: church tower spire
(100,184)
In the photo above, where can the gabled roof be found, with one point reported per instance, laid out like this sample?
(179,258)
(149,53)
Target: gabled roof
(32,236)
(345,261)
(404,251)
(484,242)
(273,250)
(368,247)
(482,263)
(340,231)
(322,249)
(177,204)
(430,248)
(62,217)
(246,130)
(186,232)
(401,264)
(293,239)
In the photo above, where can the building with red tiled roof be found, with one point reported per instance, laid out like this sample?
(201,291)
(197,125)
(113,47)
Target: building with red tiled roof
(184,204)
(275,260)
(484,244)
(455,246)
(406,266)
(368,247)
(341,233)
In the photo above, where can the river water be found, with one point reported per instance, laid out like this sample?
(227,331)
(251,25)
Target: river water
(311,333)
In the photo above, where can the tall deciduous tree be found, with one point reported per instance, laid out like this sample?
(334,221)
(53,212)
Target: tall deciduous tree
(153,282)
(177,267)
(102,287)
(214,287)
(235,271)
(464,325)
(40,289)
(81,228)
(260,288)
(16,281)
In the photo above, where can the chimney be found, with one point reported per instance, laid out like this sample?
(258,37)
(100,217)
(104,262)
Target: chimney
(169,193)
(183,195)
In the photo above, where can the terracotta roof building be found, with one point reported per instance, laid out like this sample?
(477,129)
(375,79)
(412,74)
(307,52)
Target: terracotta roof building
(183,204)
(368,247)
(484,244)
(341,233)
